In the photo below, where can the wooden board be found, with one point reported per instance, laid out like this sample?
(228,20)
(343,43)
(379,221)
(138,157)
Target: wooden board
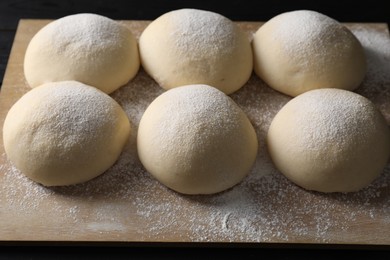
(126,204)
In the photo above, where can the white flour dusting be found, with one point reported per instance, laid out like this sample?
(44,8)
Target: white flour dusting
(126,203)
(194,28)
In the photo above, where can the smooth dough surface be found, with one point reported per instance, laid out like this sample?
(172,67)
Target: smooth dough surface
(88,48)
(303,50)
(196,140)
(64,133)
(330,140)
(191,46)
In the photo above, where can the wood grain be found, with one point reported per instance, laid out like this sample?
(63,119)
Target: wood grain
(112,212)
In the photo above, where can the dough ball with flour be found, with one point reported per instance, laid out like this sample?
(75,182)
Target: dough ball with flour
(303,50)
(196,140)
(330,140)
(84,47)
(191,46)
(64,133)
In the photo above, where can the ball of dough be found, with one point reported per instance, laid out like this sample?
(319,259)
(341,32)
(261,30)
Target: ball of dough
(89,48)
(64,133)
(303,50)
(191,46)
(196,140)
(329,140)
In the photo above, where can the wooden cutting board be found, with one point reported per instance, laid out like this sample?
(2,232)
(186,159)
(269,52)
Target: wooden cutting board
(126,204)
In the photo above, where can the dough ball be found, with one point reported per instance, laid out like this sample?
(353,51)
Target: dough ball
(64,133)
(195,140)
(190,46)
(303,50)
(330,140)
(89,48)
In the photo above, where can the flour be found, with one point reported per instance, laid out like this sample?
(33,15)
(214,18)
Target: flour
(84,35)
(376,83)
(307,33)
(127,203)
(195,29)
(336,118)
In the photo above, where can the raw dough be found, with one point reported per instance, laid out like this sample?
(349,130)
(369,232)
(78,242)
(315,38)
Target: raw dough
(330,140)
(302,50)
(64,133)
(196,140)
(89,48)
(190,46)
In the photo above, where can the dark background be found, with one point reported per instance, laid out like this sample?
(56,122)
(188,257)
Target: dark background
(244,10)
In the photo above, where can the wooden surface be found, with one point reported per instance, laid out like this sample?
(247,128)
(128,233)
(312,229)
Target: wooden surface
(127,205)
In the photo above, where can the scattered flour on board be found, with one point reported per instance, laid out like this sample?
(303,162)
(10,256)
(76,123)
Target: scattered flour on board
(265,207)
